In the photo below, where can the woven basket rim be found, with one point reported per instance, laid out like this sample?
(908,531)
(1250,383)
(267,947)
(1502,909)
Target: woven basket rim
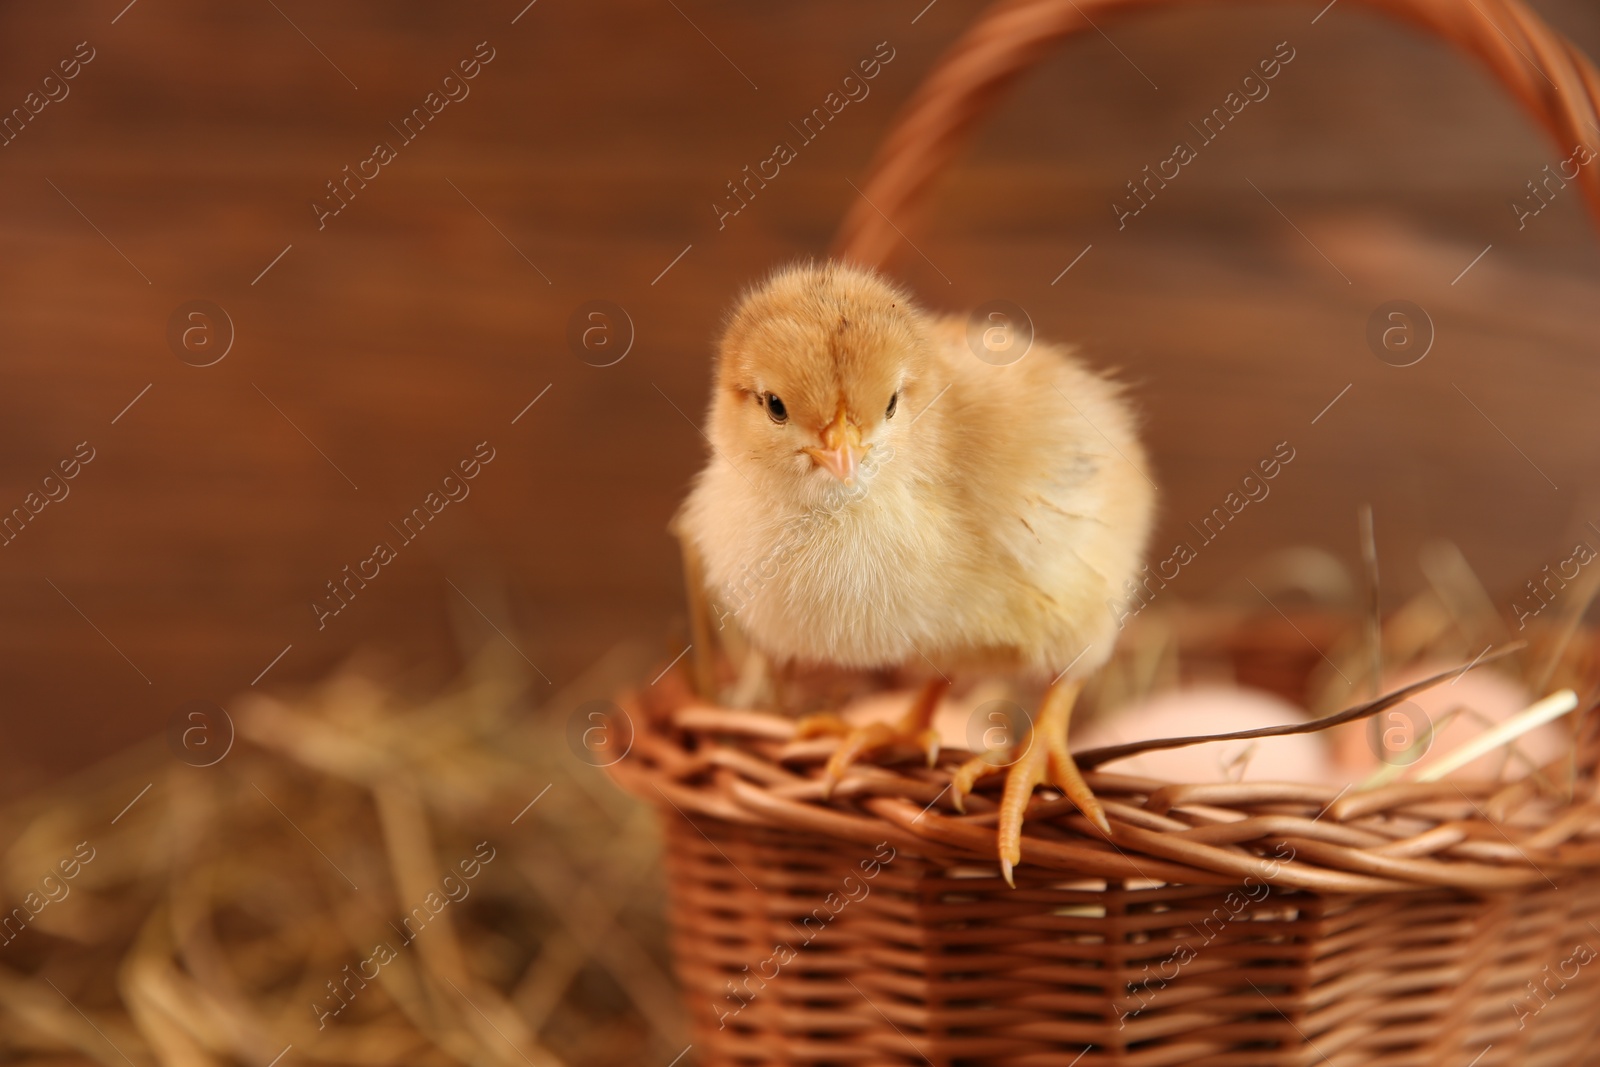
(698,760)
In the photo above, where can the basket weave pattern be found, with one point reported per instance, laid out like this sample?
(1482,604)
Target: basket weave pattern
(935,965)
(1233,925)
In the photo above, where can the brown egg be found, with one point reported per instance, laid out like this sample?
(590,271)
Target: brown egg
(1452,713)
(1213,710)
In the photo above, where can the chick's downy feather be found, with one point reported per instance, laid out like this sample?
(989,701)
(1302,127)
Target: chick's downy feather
(997,513)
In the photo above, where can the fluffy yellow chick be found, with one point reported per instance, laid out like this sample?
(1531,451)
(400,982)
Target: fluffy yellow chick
(878,496)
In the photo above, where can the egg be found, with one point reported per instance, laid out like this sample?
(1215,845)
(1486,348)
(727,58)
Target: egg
(1212,709)
(1399,736)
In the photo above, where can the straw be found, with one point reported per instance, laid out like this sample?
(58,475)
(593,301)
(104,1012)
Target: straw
(1369,560)
(1536,715)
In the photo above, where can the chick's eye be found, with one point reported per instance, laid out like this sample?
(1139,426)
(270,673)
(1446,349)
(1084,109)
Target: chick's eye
(775,408)
(894,402)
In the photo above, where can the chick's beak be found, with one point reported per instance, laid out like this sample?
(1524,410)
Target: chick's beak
(841,451)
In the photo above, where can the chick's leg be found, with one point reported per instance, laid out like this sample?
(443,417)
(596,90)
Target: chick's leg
(915,727)
(1055,718)
(1046,758)
(704,638)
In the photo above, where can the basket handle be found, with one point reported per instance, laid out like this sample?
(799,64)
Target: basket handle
(1551,78)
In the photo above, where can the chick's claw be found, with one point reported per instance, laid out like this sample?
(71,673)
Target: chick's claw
(1065,776)
(820,724)
(1055,717)
(966,776)
(1026,773)
(869,739)
(856,742)
(1046,758)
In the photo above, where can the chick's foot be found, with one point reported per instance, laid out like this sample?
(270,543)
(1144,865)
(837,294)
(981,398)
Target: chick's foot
(856,742)
(1045,758)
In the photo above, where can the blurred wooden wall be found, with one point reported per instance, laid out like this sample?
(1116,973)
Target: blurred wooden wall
(380,349)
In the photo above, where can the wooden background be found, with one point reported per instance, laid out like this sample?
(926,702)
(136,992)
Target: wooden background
(379,350)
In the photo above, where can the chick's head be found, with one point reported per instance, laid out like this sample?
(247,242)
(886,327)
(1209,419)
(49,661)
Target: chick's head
(820,372)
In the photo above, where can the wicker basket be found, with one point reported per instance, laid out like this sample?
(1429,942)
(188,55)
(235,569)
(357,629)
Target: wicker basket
(1234,925)
(1237,925)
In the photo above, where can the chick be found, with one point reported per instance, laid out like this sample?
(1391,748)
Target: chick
(879,497)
